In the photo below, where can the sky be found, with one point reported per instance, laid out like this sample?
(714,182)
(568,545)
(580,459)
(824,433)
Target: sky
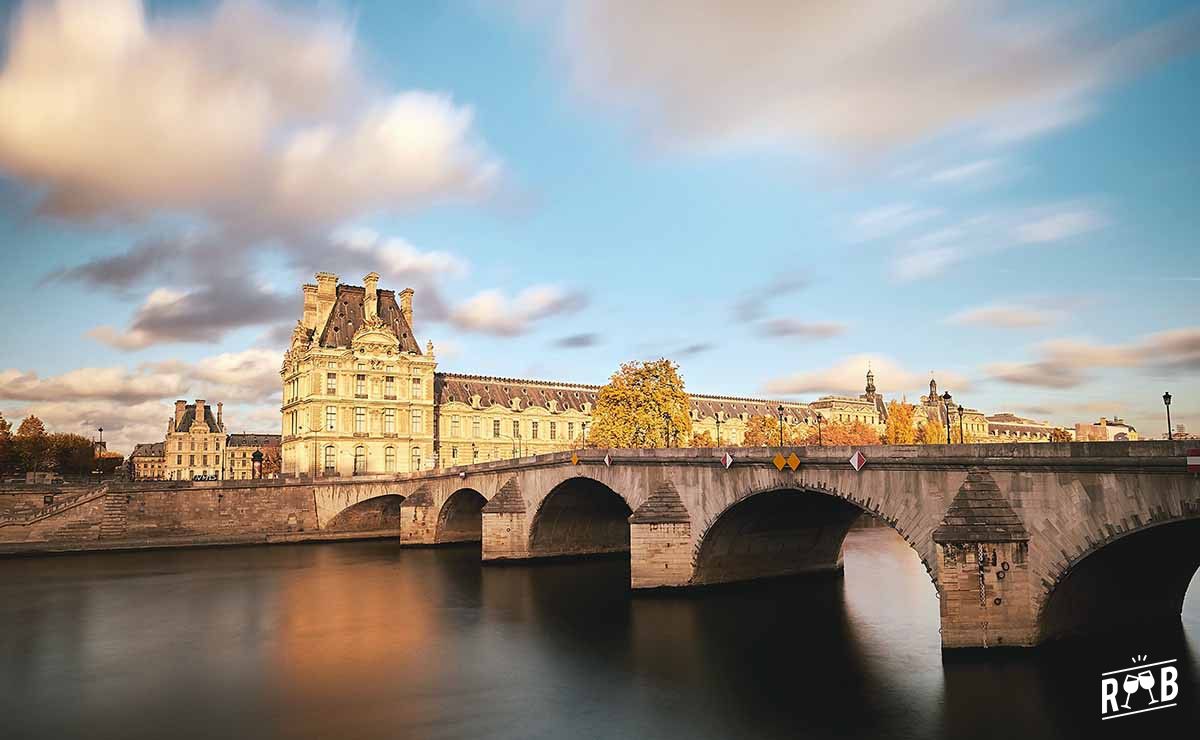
(777,196)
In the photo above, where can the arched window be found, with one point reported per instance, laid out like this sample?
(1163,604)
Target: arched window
(389,459)
(416,458)
(330,460)
(360,460)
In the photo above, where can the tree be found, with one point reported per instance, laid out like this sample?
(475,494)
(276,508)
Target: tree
(852,433)
(931,433)
(70,453)
(763,431)
(32,445)
(7,449)
(629,408)
(703,439)
(1060,435)
(900,429)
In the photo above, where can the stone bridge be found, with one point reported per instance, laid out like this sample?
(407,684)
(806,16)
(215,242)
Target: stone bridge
(1023,542)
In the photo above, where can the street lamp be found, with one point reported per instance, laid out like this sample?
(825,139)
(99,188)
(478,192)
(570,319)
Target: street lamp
(1167,403)
(962,439)
(820,441)
(780,410)
(718,429)
(946,400)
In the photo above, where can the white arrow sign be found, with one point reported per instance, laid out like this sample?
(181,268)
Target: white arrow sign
(607,460)
(727,460)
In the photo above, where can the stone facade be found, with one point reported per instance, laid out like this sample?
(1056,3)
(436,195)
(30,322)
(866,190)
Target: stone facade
(1012,428)
(1105,430)
(239,456)
(148,461)
(195,438)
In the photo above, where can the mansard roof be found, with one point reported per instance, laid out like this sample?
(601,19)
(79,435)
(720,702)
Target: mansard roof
(148,449)
(254,440)
(500,391)
(189,416)
(348,315)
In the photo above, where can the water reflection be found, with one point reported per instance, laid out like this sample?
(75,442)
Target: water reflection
(369,640)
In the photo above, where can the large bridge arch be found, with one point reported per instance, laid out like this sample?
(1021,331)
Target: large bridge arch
(460,518)
(580,516)
(782,530)
(377,515)
(1136,577)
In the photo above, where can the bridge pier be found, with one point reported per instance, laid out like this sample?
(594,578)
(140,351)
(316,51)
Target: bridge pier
(505,530)
(660,538)
(418,519)
(983,578)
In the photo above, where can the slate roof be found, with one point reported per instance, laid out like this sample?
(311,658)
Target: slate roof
(980,513)
(500,391)
(189,415)
(662,507)
(254,440)
(148,449)
(348,316)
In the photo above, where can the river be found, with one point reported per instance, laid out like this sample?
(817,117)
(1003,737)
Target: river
(369,640)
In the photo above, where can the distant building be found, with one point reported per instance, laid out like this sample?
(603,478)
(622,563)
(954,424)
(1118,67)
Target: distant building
(194,440)
(147,461)
(1105,430)
(1181,432)
(867,408)
(239,455)
(1006,427)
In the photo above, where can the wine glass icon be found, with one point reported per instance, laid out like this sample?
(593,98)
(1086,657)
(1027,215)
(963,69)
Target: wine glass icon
(1146,679)
(1130,685)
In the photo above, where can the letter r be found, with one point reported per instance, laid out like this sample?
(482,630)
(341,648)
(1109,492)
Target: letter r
(1108,692)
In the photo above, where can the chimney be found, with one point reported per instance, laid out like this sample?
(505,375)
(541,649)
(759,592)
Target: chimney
(180,409)
(406,306)
(199,411)
(371,298)
(220,423)
(326,295)
(310,307)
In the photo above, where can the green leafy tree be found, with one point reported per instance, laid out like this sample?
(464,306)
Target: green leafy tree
(900,429)
(70,453)
(32,445)
(630,407)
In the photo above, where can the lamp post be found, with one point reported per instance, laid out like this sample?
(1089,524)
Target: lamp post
(780,410)
(666,429)
(946,401)
(962,439)
(820,441)
(1167,403)
(718,429)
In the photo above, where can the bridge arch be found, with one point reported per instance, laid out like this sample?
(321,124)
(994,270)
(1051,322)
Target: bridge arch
(461,517)
(377,514)
(580,516)
(1136,577)
(782,530)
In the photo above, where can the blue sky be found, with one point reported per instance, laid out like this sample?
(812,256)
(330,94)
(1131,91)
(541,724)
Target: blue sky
(1001,194)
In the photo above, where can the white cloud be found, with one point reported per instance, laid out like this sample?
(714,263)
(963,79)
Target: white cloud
(1065,363)
(863,75)
(890,219)
(399,256)
(849,377)
(1005,316)
(245,114)
(925,263)
(971,172)
(1064,223)
(114,383)
(491,312)
(788,327)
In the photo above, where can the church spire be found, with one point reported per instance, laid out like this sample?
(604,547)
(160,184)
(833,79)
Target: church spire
(870,382)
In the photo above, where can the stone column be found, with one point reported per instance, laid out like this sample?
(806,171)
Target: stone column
(505,529)
(983,574)
(418,519)
(660,538)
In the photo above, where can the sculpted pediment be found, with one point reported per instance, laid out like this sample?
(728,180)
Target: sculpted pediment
(375,337)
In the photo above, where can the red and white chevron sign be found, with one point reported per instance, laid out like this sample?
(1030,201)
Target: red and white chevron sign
(1193,461)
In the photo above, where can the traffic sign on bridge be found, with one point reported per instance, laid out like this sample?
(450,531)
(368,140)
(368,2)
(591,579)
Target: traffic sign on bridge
(1193,461)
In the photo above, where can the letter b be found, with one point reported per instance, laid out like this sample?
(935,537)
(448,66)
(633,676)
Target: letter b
(1170,688)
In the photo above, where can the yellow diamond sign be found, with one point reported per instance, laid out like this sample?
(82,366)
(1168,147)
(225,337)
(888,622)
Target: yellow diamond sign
(574,458)
(779,461)
(793,461)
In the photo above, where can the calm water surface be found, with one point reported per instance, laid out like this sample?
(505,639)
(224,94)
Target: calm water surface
(367,640)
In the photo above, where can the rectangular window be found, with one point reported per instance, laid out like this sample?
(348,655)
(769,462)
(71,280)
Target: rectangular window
(360,386)
(570,430)
(418,424)
(553,430)
(360,419)
(533,430)
(454,426)
(475,428)
(389,387)
(330,420)
(331,384)
(389,421)
(417,391)
(191,459)
(583,430)
(496,428)
(179,459)
(295,423)
(516,429)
